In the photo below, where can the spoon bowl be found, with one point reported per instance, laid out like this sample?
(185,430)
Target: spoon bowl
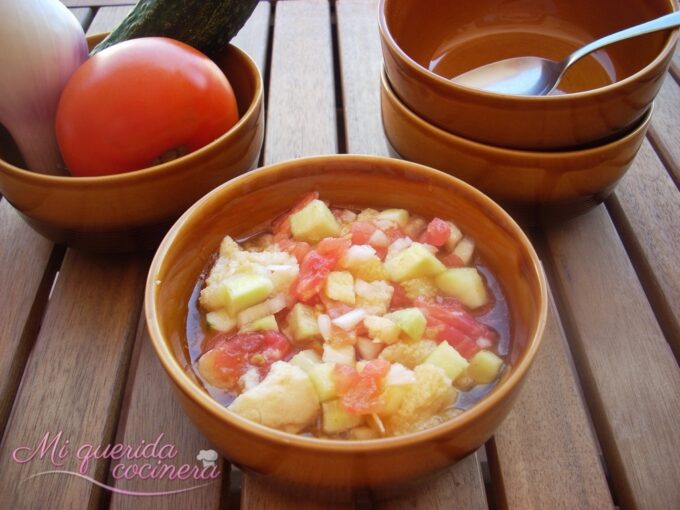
(536,76)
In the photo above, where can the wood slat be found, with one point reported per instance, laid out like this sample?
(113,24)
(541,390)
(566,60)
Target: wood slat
(24,255)
(675,63)
(252,38)
(84,15)
(300,122)
(96,3)
(73,380)
(301,116)
(630,376)
(545,453)
(360,65)
(456,488)
(150,392)
(648,206)
(153,410)
(666,125)
(258,494)
(107,18)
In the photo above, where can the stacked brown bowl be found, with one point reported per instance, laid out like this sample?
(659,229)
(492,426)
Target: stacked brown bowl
(540,156)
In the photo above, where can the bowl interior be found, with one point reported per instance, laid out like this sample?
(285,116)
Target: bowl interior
(247,205)
(450,38)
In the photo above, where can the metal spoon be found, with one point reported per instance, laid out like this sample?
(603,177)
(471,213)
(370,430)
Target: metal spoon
(535,76)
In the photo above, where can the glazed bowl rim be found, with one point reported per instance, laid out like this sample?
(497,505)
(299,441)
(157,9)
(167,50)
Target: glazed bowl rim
(507,152)
(201,398)
(404,57)
(155,171)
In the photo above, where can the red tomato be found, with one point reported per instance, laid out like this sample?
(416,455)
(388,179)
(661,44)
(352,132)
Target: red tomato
(399,298)
(233,355)
(362,232)
(451,312)
(333,248)
(436,233)
(298,249)
(360,391)
(312,276)
(139,100)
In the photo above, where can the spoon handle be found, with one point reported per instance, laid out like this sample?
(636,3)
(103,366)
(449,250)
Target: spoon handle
(668,21)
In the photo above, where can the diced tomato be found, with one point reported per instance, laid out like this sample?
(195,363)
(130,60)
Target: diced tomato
(281,225)
(360,391)
(333,308)
(333,248)
(399,298)
(298,249)
(465,345)
(451,260)
(436,233)
(344,377)
(452,312)
(312,276)
(362,232)
(233,355)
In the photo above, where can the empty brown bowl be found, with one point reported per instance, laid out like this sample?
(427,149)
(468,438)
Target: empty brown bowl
(132,211)
(532,185)
(426,42)
(247,204)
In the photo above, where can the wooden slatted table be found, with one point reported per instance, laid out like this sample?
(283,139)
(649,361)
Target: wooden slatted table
(597,424)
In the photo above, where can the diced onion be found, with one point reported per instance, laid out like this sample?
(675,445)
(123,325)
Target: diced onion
(384,224)
(358,254)
(324,322)
(269,307)
(350,320)
(484,343)
(368,349)
(348,216)
(399,375)
(379,239)
(398,246)
(430,248)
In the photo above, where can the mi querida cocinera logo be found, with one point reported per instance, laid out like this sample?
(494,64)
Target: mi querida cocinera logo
(154,460)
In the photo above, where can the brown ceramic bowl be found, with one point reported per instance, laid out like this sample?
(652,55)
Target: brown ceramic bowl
(531,184)
(420,37)
(133,211)
(248,203)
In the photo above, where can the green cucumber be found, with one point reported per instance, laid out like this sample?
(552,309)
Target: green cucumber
(207,25)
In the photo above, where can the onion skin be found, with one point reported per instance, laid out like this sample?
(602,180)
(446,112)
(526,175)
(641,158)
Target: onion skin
(42,45)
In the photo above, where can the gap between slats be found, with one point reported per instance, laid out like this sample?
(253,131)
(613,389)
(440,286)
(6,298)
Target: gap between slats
(30,334)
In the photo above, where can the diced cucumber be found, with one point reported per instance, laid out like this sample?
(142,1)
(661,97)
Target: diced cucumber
(416,261)
(220,320)
(465,284)
(340,287)
(302,323)
(267,323)
(313,222)
(242,290)
(321,375)
(398,216)
(306,359)
(336,419)
(410,320)
(484,367)
(449,359)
